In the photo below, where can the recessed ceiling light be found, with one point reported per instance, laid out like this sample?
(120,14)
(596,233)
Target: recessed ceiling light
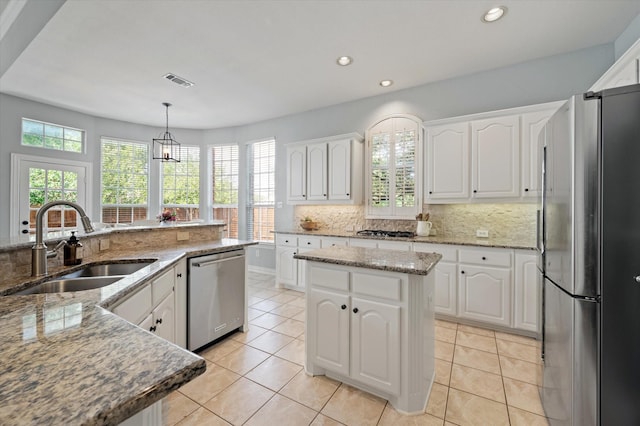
(494,14)
(386,83)
(344,60)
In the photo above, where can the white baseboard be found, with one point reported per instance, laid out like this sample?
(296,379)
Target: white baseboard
(261,270)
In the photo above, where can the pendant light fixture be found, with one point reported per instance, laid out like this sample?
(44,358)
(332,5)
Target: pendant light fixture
(165,147)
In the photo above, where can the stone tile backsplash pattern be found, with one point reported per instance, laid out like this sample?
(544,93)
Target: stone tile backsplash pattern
(17,262)
(516,222)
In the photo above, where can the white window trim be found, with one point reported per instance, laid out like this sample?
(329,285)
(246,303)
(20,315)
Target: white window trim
(248,195)
(84,136)
(16,166)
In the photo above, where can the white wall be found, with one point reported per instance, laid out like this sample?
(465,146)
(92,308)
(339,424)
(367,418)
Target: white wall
(543,80)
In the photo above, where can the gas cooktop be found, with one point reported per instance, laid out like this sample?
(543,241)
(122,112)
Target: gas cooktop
(388,234)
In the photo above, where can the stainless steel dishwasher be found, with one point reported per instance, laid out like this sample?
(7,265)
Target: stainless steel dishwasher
(216,296)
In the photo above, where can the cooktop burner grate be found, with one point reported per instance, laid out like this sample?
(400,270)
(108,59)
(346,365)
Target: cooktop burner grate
(388,234)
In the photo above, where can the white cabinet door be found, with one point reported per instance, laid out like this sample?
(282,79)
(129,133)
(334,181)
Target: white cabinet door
(533,127)
(446,288)
(495,157)
(485,294)
(526,292)
(334,242)
(362,242)
(181,303)
(297,170)
(339,153)
(136,307)
(147,323)
(286,266)
(317,172)
(375,344)
(164,318)
(302,271)
(447,161)
(394,245)
(328,316)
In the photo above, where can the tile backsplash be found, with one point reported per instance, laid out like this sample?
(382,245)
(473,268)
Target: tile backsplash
(513,221)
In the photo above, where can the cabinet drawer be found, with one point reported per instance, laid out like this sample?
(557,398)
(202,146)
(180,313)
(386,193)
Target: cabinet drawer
(136,307)
(377,286)
(162,286)
(286,240)
(449,253)
(331,242)
(329,278)
(309,242)
(486,257)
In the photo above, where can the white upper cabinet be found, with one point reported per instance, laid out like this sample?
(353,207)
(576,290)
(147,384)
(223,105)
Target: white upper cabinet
(447,162)
(533,127)
(327,170)
(317,172)
(625,71)
(393,169)
(297,173)
(495,157)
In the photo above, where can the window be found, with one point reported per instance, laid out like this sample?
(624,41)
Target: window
(181,184)
(261,193)
(224,159)
(51,136)
(46,185)
(124,181)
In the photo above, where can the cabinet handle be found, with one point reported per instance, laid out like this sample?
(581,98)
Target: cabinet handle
(347,194)
(308,243)
(286,241)
(159,321)
(462,272)
(25,222)
(179,275)
(484,258)
(430,192)
(526,190)
(344,307)
(152,328)
(355,310)
(475,190)
(25,231)
(324,195)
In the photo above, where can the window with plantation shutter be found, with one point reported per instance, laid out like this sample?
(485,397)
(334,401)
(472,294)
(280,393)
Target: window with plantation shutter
(124,188)
(393,181)
(181,184)
(224,159)
(261,157)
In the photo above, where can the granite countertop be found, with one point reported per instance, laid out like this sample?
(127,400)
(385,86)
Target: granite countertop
(385,260)
(455,240)
(68,360)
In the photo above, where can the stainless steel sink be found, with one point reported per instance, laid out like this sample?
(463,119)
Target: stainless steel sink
(109,269)
(72,284)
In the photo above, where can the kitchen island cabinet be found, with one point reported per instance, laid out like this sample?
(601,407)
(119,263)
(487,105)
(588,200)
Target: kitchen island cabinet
(370,321)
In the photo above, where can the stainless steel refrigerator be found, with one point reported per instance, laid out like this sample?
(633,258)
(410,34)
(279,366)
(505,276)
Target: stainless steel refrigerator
(590,260)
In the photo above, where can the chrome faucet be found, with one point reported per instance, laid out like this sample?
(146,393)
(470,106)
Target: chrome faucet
(39,253)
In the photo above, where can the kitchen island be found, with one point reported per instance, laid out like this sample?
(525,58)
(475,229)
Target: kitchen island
(66,359)
(370,321)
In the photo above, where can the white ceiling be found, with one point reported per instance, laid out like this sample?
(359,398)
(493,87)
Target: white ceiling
(256,60)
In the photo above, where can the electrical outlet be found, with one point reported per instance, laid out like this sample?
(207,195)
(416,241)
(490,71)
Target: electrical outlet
(104,244)
(182,236)
(482,233)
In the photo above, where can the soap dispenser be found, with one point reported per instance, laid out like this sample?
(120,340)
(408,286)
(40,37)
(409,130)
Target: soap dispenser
(72,251)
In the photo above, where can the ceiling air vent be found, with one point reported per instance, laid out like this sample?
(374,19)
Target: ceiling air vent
(178,80)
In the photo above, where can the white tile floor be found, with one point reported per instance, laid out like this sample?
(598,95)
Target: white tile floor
(257,378)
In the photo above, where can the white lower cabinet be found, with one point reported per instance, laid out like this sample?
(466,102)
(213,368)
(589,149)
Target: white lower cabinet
(527,292)
(371,329)
(446,277)
(157,306)
(485,294)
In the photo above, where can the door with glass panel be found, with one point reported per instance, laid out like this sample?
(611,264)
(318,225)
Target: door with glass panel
(41,182)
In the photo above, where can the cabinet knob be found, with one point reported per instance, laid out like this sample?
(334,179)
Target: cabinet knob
(484,258)
(159,321)
(179,275)
(286,241)
(475,190)
(637,278)
(347,194)
(324,195)
(25,231)
(344,307)
(25,222)
(430,192)
(152,328)
(462,272)
(355,310)
(308,243)
(526,190)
